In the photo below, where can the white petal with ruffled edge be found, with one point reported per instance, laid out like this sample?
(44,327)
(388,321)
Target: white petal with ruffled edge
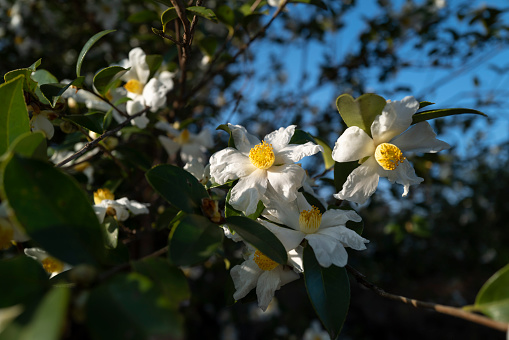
(405,175)
(245,277)
(244,141)
(396,117)
(229,164)
(268,282)
(352,145)
(139,67)
(191,152)
(295,152)
(361,183)
(420,138)
(347,237)
(335,217)
(327,250)
(133,206)
(169,145)
(286,179)
(248,191)
(41,123)
(290,238)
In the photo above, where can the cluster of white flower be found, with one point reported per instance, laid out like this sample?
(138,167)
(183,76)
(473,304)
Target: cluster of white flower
(267,171)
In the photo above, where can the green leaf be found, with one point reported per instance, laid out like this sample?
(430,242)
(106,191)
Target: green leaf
(29,85)
(194,240)
(23,278)
(46,321)
(177,186)
(327,152)
(55,90)
(142,17)
(424,104)
(260,237)
(168,15)
(226,15)
(341,173)
(329,292)
(87,47)
(31,145)
(432,114)
(169,280)
(301,137)
(91,121)
(129,307)
(204,12)
(318,3)
(53,209)
(109,229)
(13,113)
(362,111)
(230,211)
(43,77)
(231,141)
(493,298)
(106,77)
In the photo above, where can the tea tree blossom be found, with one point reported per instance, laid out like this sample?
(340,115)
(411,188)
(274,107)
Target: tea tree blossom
(382,154)
(105,204)
(266,275)
(192,146)
(41,121)
(326,233)
(259,165)
(50,264)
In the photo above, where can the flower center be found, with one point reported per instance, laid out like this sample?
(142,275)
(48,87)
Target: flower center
(184,137)
(263,262)
(388,156)
(262,155)
(309,220)
(6,234)
(134,86)
(103,194)
(52,265)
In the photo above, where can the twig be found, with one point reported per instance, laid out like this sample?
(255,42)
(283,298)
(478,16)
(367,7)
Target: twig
(89,146)
(166,36)
(453,311)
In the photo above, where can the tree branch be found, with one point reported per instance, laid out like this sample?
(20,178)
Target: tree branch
(89,146)
(453,311)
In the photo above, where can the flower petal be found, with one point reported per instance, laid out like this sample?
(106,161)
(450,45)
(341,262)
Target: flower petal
(100,212)
(289,238)
(280,211)
(204,138)
(361,183)
(41,123)
(280,138)
(191,152)
(167,79)
(337,217)
(404,174)
(396,117)
(229,164)
(133,206)
(286,179)
(352,145)
(139,67)
(244,141)
(347,237)
(154,94)
(268,282)
(248,191)
(327,251)
(420,138)
(295,152)
(169,145)
(245,276)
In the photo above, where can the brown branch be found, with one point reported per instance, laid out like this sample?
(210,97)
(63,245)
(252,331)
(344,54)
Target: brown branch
(181,12)
(89,146)
(211,74)
(166,36)
(453,311)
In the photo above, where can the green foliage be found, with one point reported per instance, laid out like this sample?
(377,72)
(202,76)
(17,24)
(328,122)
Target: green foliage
(92,121)
(105,78)
(177,186)
(329,292)
(31,145)
(259,237)
(52,208)
(360,112)
(493,298)
(13,112)
(231,141)
(194,240)
(130,306)
(55,90)
(87,47)
(204,12)
(433,114)
(342,171)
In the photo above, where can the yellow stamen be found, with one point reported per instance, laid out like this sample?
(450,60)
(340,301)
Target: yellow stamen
(263,262)
(52,265)
(310,220)
(103,194)
(262,155)
(6,234)
(184,137)
(388,156)
(134,86)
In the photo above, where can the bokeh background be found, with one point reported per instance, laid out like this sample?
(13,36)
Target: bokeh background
(440,244)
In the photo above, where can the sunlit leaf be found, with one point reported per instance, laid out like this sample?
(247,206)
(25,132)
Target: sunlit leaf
(106,77)
(13,112)
(424,104)
(493,298)
(194,240)
(329,292)
(327,152)
(224,127)
(87,47)
(360,112)
(204,12)
(432,114)
(168,15)
(260,237)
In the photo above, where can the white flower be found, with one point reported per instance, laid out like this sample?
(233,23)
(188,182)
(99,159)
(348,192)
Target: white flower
(50,264)
(191,146)
(326,233)
(274,3)
(142,91)
(105,204)
(41,122)
(382,154)
(266,275)
(258,165)
(202,173)
(315,332)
